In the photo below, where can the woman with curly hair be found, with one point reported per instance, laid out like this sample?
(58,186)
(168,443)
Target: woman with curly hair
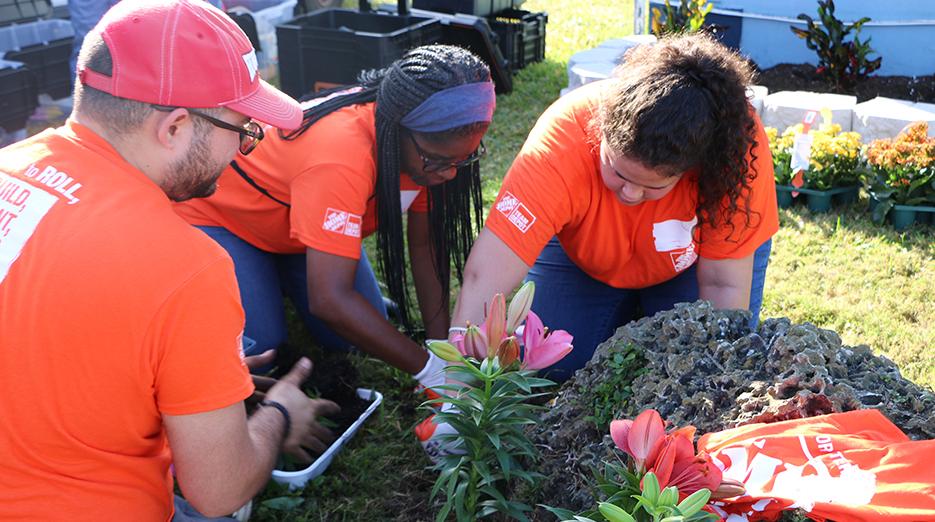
(293,213)
(630,195)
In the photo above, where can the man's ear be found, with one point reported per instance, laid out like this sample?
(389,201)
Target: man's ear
(174,129)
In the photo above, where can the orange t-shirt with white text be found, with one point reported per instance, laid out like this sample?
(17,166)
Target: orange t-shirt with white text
(327,176)
(113,313)
(554,188)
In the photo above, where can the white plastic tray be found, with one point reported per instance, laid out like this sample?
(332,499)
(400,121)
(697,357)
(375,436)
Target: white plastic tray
(297,479)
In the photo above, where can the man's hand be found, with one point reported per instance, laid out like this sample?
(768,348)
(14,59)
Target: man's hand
(306,432)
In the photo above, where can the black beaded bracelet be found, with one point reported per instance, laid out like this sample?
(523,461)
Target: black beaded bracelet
(285,415)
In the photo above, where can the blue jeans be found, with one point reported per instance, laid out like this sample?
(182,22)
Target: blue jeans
(566,298)
(264,278)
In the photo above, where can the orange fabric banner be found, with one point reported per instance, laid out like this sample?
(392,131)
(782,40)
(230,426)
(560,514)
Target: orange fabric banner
(854,466)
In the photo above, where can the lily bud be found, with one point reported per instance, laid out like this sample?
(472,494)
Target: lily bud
(445,351)
(496,323)
(475,343)
(508,351)
(729,488)
(519,307)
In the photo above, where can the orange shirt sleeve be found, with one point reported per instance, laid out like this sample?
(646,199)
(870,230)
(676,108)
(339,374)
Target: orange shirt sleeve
(739,238)
(330,196)
(552,172)
(196,339)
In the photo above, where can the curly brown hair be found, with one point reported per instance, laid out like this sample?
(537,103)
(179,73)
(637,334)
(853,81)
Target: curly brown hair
(681,103)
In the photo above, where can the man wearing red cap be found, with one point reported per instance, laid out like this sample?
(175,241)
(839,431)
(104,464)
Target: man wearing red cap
(121,325)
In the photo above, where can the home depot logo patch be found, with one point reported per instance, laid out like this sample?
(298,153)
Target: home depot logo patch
(342,222)
(682,259)
(516,212)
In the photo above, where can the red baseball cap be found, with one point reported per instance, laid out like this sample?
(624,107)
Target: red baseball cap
(186,53)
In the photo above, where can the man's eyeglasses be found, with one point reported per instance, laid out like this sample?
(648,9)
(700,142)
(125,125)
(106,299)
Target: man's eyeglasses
(434,165)
(250,134)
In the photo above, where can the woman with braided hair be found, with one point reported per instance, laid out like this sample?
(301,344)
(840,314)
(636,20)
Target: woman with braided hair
(293,213)
(632,194)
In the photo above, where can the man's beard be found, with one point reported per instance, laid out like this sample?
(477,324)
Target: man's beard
(194,176)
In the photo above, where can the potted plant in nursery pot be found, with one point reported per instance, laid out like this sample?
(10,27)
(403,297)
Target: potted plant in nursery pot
(902,179)
(781,149)
(835,167)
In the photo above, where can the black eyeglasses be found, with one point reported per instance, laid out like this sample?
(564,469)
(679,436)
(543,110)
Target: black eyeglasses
(433,165)
(250,134)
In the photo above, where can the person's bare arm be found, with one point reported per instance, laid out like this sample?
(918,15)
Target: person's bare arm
(333,298)
(223,443)
(726,282)
(491,268)
(433,298)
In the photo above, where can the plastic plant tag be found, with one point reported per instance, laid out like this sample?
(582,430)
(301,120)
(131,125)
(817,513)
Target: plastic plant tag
(802,151)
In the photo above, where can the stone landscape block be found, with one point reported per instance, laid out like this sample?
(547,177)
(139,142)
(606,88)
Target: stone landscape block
(784,108)
(885,117)
(757,95)
(598,63)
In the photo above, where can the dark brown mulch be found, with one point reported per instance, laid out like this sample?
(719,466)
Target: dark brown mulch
(802,77)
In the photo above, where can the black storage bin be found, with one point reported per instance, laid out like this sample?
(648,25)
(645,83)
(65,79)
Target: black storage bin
(18,96)
(474,34)
(247,24)
(332,46)
(19,11)
(49,63)
(471,7)
(522,36)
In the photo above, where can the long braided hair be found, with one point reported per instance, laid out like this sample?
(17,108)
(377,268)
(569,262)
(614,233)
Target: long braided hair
(397,90)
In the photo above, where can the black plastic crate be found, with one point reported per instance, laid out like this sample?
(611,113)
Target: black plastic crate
(247,24)
(331,47)
(18,96)
(522,36)
(471,7)
(19,11)
(49,63)
(474,34)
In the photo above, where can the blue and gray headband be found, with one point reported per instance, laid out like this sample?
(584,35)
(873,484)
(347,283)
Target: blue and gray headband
(452,108)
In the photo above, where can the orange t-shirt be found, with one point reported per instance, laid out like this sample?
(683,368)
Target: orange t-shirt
(327,176)
(113,312)
(555,188)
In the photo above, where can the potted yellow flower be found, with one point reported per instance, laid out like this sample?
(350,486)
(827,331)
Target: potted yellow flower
(902,183)
(835,166)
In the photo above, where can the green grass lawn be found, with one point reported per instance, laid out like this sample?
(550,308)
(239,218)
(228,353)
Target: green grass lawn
(839,271)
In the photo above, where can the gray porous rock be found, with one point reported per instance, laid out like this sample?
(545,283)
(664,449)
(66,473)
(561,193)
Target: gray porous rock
(706,368)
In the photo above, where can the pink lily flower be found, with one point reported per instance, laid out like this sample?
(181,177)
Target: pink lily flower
(675,449)
(639,438)
(690,475)
(543,348)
